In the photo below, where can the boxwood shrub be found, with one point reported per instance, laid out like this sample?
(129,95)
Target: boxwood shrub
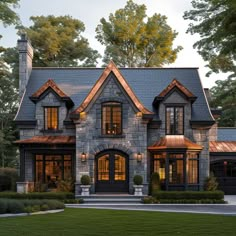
(40,195)
(180,195)
(27,206)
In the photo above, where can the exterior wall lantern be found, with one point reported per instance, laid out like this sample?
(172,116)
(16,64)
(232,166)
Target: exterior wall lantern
(83,157)
(139,157)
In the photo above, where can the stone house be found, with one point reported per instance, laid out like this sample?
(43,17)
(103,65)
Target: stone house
(112,124)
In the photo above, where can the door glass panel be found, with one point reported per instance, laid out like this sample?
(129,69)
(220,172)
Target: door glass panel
(176,171)
(39,168)
(103,168)
(53,170)
(67,167)
(120,167)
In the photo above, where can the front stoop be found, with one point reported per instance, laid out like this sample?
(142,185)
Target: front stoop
(111,199)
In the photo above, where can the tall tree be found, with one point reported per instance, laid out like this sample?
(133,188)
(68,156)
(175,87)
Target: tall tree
(58,41)
(8,107)
(215,23)
(133,39)
(7,15)
(224,95)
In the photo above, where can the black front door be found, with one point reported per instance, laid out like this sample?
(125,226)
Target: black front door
(112,172)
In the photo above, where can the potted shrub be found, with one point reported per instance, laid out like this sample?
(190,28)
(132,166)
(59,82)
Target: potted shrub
(85,185)
(138,185)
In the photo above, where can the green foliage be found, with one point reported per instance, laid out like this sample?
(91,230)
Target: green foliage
(211,183)
(195,195)
(7,15)
(224,96)
(215,23)
(155,184)
(28,206)
(85,180)
(138,180)
(8,108)
(8,178)
(74,201)
(133,40)
(58,42)
(48,195)
(150,200)
(39,187)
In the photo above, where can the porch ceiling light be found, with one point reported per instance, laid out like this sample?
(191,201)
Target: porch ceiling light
(139,157)
(83,157)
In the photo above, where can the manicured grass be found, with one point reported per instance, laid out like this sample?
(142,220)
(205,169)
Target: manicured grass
(84,222)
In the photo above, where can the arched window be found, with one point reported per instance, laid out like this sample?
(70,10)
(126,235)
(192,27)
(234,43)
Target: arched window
(111,118)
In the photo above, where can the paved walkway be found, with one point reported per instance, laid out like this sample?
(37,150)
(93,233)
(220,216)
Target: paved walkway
(221,209)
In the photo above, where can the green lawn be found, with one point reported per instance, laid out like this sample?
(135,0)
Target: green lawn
(121,223)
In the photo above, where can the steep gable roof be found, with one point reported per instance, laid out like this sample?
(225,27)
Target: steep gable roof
(175,84)
(111,68)
(50,84)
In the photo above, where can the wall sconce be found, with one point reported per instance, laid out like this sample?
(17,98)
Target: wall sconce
(83,157)
(139,157)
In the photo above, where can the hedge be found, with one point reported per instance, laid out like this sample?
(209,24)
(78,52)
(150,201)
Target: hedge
(180,195)
(38,195)
(27,206)
(8,178)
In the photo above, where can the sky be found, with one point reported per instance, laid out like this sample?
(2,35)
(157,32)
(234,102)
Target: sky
(91,11)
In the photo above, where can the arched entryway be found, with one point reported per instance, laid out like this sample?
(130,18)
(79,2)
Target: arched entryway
(112,172)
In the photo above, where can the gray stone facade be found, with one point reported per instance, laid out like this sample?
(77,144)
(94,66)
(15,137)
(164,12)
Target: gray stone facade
(90,140)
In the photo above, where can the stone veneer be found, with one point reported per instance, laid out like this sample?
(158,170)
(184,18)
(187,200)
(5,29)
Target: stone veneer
(90,140)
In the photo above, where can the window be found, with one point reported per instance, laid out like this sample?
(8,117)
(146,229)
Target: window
(52,168)
(192,168)
(51,118)
(176,168)
(159,165)
(111,118)
(174,120)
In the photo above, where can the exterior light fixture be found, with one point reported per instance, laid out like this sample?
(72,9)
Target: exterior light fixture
(83,157)
(139,157)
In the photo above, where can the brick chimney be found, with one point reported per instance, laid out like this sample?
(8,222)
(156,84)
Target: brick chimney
(26,53)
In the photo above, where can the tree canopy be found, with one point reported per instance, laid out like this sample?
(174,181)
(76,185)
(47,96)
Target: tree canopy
(133,40)
(7,15)
(224,95)
(57,41)
(214,21)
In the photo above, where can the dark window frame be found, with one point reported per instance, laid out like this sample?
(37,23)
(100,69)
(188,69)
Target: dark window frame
(45,122)
(111,104)
(43,161)
(175,125)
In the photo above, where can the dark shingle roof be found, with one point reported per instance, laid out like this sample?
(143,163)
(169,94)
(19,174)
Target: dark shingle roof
(227,134)
(146,83)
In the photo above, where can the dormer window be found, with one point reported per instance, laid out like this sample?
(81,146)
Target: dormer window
(174,120)
(51,118)
(111,118)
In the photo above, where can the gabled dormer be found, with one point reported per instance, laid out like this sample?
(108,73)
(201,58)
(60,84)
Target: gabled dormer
(52,107)
(174,105)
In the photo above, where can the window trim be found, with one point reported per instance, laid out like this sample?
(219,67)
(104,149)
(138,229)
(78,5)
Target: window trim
(109,104)
(170,106)
(46,128)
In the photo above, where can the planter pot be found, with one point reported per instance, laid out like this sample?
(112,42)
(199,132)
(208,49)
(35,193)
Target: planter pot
(85,190)
(138,190)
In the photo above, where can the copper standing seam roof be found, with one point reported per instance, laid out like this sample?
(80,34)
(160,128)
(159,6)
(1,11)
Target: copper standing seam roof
(174,142)
(111,68)
(49,84)
(48,140)
(222,146)
(176,83)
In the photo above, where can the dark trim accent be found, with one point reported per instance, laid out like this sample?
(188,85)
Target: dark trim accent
(74,116)
(26,122)
(202,122)
(22,164)
(148,116)
(112,136)
(212,154)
